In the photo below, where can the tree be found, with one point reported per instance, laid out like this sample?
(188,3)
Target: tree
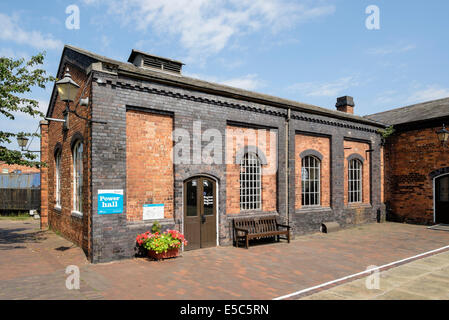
(17,77)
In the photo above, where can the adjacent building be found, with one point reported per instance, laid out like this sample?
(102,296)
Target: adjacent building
(417,163)
(152,144)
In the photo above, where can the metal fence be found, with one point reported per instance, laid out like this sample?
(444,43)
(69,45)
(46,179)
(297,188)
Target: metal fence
(20,191)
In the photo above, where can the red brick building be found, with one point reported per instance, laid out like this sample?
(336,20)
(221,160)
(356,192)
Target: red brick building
(152,144)
(417,164)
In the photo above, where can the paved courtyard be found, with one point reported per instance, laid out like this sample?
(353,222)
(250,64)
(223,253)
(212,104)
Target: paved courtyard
(423,279)
(33,264)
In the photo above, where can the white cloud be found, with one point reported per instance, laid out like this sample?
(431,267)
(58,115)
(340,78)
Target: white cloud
(206,26)
(396,49)
(432,92)
(326,89)
(12,31)
(8,52)
(249,82)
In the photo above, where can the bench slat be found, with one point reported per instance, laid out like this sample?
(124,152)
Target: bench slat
(258,227)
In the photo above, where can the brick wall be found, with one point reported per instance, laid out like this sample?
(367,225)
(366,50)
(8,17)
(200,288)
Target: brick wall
(359,148)
(322,145)
(410,157)
(61,219)
(237,138)
(149,165)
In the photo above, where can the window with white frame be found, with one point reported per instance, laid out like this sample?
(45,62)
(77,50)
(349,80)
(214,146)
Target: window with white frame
(250,182)
(310,181)
(355,181)
(78,177)
(58,179)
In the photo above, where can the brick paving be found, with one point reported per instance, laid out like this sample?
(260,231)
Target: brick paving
(32,265)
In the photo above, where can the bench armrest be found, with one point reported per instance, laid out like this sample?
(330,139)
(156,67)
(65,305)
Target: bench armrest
(284,226)
(241,229)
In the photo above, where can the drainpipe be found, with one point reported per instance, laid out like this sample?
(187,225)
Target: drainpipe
(287,136)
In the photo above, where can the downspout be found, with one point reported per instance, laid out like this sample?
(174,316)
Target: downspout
(287,169)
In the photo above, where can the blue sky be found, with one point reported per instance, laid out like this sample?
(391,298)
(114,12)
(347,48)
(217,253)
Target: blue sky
(306,50)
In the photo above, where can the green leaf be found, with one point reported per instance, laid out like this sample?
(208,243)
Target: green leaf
(17,77)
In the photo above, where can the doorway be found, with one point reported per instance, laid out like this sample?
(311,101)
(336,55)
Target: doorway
(442,199)
(200,213)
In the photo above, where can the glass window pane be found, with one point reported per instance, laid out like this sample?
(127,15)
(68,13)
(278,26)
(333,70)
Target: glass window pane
(250,182)
(355,181)
(208,197)
(310,180)
(191,196)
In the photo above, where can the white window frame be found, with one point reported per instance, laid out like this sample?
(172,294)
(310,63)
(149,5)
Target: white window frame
(58,158)
(250,182)
(78,150)
(355,181)
(309,163)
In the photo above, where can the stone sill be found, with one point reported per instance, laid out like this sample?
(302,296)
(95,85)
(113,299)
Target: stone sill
(358,205)
(77,214)
(58,208)
(149,223)
(251,214)
(313,210)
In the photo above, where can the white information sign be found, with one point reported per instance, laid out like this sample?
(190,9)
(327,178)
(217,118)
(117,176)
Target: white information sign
(153,211)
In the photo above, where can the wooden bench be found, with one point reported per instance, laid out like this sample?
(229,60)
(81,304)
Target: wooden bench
(258,227)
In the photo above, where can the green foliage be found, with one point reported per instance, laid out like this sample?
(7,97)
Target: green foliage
(17,77)
(156,227)
(387,132)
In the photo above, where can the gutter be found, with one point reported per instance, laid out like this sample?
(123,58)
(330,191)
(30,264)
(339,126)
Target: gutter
(287,168)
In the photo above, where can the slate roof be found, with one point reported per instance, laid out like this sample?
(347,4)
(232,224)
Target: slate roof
(426,111)
(131,70)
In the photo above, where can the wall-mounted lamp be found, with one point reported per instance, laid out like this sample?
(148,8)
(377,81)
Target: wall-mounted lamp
(67,88)
(443,136)
(23,142)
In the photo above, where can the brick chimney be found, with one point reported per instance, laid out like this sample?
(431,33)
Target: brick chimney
(345,104)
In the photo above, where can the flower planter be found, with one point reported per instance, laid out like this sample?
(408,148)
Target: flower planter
(172,253)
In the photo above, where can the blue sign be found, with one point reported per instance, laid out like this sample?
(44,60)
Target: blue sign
(110,201)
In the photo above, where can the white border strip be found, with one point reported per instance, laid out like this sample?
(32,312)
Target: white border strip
(359,274)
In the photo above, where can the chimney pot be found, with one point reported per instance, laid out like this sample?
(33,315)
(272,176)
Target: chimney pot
(345,104)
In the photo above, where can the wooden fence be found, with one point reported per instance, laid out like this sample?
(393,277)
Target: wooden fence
(20,191)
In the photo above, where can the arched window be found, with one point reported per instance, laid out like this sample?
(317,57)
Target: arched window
(58,178)
(78,177)
(250,182)
(310,181)
(355,181)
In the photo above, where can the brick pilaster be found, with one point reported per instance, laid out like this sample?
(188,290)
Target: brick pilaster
(44,174)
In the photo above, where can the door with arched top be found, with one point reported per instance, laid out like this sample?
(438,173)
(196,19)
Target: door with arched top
(442,199)
(200,213)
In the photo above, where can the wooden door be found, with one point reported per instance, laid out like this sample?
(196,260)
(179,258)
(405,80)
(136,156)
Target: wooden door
(442,200)
(200,216)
